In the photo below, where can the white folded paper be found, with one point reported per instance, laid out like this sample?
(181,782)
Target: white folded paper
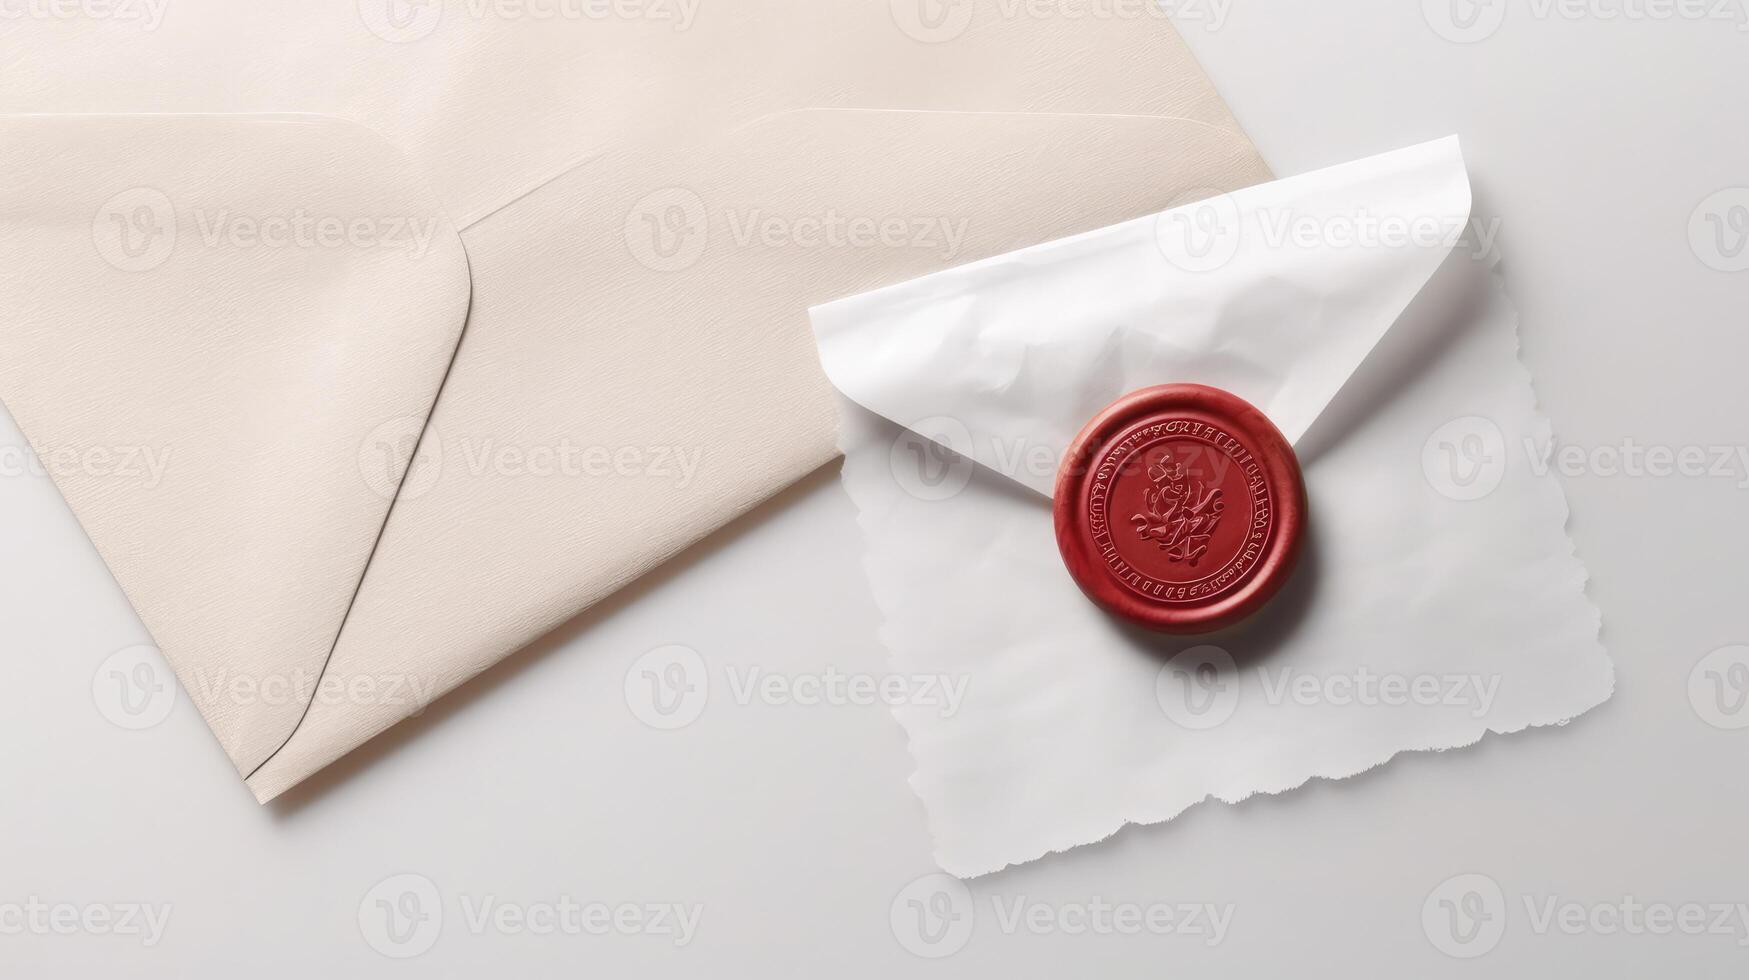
(1439,597)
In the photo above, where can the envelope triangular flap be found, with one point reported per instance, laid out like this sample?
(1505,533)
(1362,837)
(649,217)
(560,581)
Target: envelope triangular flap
(658,297)
(526,99)
(222,335)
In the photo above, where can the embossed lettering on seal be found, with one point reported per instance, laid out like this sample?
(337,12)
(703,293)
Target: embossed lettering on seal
(1180,510)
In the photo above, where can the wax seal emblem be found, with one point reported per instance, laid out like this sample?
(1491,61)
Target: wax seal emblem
(1180,508)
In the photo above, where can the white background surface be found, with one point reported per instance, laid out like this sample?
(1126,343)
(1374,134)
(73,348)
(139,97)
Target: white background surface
(790,829)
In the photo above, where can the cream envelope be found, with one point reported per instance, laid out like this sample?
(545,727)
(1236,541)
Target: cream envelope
(636,369)
(194,379)
(584,329)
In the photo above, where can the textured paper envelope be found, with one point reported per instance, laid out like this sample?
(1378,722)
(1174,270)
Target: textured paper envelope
(1439,598)
(199,380)
(586,331)
(577,152)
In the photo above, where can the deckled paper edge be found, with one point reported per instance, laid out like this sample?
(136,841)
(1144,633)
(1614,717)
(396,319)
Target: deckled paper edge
(1544,428)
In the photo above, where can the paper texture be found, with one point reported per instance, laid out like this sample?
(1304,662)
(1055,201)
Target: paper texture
(690,375)
(1439,597)
(574,145)
(492,98)
(222,336)
(1250,309)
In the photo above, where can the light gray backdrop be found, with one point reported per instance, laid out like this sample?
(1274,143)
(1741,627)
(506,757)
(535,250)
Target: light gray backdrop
(1599,133)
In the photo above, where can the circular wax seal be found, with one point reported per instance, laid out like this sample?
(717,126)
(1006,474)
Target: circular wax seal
(1180,508)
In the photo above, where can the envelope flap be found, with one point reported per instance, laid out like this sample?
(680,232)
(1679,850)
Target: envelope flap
(222,336)
(1276,292)
(653,303)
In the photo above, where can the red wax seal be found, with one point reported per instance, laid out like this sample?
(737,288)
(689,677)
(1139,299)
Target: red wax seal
(1180,508)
